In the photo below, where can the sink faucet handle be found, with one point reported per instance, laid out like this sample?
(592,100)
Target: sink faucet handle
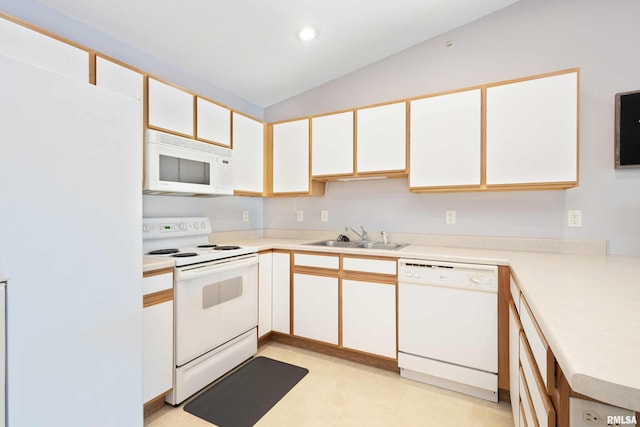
(385,238)
(364,233)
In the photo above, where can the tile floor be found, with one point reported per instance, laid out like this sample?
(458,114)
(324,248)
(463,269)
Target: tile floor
(336,392)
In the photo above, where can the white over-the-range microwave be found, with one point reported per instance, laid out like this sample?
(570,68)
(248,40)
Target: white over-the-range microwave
(180,166)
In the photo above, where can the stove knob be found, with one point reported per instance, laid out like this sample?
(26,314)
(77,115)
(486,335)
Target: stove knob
(182,226)
(145,228)
(202,224)
(195,225)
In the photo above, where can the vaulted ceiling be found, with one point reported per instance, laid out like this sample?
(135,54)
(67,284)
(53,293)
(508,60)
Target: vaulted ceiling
(250,48)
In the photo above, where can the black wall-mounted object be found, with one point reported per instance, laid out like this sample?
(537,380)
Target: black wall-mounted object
(627,153)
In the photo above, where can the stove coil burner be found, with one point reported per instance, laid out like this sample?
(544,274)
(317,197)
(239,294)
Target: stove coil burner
(206,246)
(163,252)
(184,255)
(226,248)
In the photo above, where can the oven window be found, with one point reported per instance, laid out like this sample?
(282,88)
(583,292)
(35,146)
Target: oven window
(175,169)
(221,292)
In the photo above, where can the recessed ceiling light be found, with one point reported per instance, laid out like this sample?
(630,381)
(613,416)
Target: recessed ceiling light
(306,34)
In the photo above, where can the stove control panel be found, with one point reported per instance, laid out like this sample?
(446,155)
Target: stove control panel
(162,228)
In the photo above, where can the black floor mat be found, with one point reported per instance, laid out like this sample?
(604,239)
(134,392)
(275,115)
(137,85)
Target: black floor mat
(243,397)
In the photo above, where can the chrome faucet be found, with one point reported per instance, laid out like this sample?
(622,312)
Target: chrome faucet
(362,236)
(385,238)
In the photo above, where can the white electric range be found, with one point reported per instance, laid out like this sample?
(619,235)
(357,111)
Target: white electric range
(215,301)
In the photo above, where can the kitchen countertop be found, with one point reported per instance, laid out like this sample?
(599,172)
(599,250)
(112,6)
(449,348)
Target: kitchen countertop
(586,305)
(150,263)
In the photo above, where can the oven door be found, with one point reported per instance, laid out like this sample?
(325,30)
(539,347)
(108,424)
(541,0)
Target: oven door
(214,302)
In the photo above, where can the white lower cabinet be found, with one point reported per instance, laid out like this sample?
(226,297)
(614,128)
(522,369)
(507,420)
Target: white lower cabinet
(157,347)
(265,292)
(514,363)
(157,350)
(369,317)
(315,307)
(281,293)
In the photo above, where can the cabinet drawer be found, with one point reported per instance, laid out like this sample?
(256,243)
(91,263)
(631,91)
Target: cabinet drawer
(319,261)
(369,265)
(522,421)
(527,416)
(537,392)
(515,293)
(538,344)
(157,283)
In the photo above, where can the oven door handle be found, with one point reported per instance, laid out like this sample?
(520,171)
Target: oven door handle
(198,272)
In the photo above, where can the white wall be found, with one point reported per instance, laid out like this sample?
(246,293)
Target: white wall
(529,37)
(225,212)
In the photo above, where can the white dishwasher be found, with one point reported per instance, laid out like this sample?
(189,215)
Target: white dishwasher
(448,325)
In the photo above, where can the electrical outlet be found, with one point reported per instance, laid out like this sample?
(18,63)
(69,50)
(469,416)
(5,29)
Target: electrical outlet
(245,216)
(591,418)
(299,216)
(574,218)
(450,217)
(324,216)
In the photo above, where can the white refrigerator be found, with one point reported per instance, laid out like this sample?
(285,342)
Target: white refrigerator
(71,249)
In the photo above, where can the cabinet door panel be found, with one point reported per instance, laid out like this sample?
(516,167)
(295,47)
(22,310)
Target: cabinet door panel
(291,157)
(39,50)
(170,108)
(214,122)
(332,144)
(157,350)
(369,317)
(532,131)
(119,79)
(514,362)
(281,298)
(381,138)
(536,341)
(265,292)
(446,140)
(315,307)
(248,154)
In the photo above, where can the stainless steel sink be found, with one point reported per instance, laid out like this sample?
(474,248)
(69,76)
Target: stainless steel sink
(362,245)
(380,245)
(334,243)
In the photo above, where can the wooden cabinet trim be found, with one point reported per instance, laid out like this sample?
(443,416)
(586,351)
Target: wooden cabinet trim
(43,32)
(529,401)
(166,270)
(156,298)
(504,275)
(316,271)
(539,384)
(360,276)
(155,404)
(535,323)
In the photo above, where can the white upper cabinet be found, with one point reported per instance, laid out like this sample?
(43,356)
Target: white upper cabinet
(445,147)
(248,154)
(170,108)
(332,144)
(214,123)
(39,50)
(119,79)
(381,138)
(291,157)
(532,131)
